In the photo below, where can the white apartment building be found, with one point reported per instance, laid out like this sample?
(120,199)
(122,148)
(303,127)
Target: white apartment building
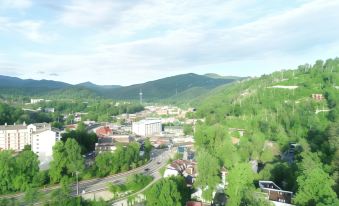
(14,137)
(147,127)
(40,136)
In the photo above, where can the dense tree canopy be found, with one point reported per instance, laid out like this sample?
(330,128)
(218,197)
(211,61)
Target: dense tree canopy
(67,160)
(272,115)
(168,191)
(20,172)
(123,159)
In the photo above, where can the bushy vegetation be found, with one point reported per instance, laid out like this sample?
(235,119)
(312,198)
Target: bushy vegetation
(20,172)
(168,191)
(133,184)
(124,158)
(99,110)
(84,139)
(272,118)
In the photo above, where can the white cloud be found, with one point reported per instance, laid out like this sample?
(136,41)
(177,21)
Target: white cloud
(135,41)
(92,13)
(16,4)
(30,29)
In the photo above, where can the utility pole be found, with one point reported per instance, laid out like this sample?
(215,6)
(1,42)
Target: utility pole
(140,95)
(77,174)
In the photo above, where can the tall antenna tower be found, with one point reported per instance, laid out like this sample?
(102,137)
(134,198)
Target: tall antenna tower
(140,95)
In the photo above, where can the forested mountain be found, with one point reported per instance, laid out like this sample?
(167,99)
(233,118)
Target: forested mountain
(168,87)
(186,84)
(14,82)
(217,76)
(293,106)
(91,85)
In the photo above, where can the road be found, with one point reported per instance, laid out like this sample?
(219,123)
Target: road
(100,184)
(153,167)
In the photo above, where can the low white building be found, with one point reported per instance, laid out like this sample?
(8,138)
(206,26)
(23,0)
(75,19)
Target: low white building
(34,101)
(147,127)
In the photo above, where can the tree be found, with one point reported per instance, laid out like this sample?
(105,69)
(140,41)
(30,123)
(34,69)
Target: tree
(147,148)
(26,167)
(67,160)
(188,129)
(138,181)
(75,162)
(84,139)
(315,185)
(208,169)
(315,188)
(240,180)
(58,164)
(164,192)
(7,171)
(115,189)
(103,163)
(32,195)
(62,197)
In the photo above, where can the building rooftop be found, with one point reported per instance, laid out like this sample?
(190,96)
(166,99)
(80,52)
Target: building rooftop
(194,203)
(148,121)
(275,193)
(12,127)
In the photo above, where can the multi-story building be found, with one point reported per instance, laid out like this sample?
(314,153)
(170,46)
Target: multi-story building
(43,139)
(147,127)
(40,136)
(14,137)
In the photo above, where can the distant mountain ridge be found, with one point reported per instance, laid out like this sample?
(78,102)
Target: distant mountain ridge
(6,81)
(217,76)
(167,87)
(91,85)
(175,86)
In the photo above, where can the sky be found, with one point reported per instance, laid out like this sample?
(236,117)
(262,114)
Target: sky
(123,42)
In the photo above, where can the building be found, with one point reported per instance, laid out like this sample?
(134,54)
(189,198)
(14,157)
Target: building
(104,147)
(43,139)
(35,101)
(317,97)
(49,110)
(194,203)
(123,138)
(274,194)
(176,130)
(40,136)
(147,127)
(14,137)
(104,132)
(187,169)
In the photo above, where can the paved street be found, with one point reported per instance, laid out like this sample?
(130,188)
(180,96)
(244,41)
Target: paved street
(152,168)
(101,184)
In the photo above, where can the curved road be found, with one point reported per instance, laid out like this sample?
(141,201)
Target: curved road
(99,184)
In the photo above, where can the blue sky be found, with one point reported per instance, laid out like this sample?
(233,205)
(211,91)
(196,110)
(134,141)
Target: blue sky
(131,41)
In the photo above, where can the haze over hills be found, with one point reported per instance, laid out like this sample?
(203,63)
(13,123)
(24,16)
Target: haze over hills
(173,86)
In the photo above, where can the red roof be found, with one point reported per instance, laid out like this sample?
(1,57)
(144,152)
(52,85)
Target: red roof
(193,203)
(104,131)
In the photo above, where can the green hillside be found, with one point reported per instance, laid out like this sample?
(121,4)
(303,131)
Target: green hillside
(167,87)
(272,113)
(180,87)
